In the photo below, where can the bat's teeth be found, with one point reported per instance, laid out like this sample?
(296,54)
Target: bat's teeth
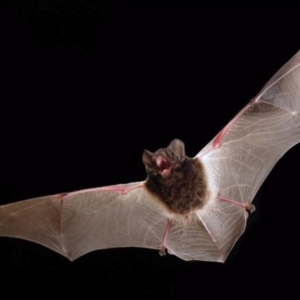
(162,163)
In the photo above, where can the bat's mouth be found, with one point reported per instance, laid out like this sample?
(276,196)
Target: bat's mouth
(163,165)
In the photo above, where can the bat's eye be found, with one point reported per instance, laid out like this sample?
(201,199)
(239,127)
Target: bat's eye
(171,154)
(176,157)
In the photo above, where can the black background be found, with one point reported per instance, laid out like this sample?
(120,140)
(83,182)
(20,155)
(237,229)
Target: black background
(87,86)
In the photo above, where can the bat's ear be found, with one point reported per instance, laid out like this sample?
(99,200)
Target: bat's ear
(177,147)
(147,157)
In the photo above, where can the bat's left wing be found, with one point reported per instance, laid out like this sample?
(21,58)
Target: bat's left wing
(76,223)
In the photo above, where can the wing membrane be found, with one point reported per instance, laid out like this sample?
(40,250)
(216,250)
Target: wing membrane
(87,220)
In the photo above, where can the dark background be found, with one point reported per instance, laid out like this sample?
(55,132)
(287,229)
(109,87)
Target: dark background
(87,86)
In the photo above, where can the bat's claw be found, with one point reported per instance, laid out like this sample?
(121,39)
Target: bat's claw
(162,251)
(250,208)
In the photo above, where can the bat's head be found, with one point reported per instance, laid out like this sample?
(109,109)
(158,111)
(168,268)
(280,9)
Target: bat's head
(163,161)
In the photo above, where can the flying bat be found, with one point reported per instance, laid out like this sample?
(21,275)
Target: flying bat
(194,208)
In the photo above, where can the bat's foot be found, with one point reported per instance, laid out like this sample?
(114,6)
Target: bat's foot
(250,208)
(162,251)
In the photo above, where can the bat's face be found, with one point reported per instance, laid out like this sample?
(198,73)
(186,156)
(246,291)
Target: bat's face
(177,180)
(161,162)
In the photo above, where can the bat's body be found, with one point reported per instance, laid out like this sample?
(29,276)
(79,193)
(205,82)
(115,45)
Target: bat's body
(195,207)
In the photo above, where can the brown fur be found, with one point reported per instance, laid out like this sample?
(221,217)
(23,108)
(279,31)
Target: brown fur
(184,189)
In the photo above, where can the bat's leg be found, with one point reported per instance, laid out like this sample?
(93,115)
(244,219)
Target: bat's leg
(248,207)
(162,250)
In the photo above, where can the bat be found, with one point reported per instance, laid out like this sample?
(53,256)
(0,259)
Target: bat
(194,208)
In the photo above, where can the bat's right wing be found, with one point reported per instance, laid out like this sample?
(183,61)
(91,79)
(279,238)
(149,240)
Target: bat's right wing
(240,157)
(245,151)
(76,223)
